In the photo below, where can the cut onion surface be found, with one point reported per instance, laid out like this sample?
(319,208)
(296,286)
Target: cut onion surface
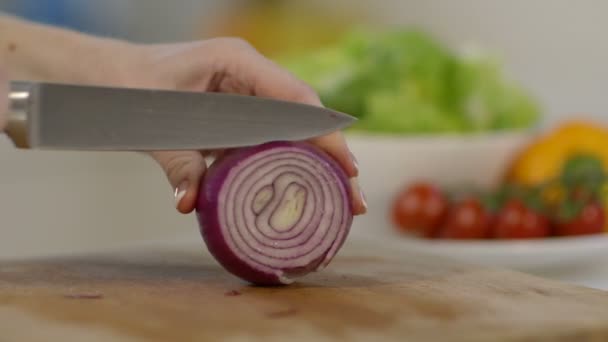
(274,212)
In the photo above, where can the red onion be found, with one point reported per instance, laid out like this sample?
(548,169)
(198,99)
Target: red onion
(274,212)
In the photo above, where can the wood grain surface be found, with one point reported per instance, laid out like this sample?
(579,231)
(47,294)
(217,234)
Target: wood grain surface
(175,293)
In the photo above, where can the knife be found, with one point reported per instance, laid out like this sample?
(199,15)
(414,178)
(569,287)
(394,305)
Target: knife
(60,116)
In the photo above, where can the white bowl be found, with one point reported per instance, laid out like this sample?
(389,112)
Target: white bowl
(388,163)
(558,255)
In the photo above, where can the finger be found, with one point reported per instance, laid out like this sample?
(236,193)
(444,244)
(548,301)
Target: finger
(283,85)
(335,145)
(269,80)
(3,99)
(184,170)
(280,84)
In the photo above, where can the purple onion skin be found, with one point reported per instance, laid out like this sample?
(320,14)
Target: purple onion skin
(208,212)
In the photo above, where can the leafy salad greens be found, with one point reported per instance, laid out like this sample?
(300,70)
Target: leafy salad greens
(406,82)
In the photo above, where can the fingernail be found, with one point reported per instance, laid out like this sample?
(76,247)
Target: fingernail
(180,192)
(355,162)
(363,200)
(354,183)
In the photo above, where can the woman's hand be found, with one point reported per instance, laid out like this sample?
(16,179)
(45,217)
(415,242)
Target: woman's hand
(226,65)
(219,65)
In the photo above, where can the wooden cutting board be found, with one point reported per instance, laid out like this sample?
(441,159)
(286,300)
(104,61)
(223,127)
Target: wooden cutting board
(369,293)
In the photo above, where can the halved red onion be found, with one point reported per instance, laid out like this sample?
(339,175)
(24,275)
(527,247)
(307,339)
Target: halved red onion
(274,212)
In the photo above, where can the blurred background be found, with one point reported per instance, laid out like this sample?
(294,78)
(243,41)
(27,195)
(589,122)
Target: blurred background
(555,48)
(416,73)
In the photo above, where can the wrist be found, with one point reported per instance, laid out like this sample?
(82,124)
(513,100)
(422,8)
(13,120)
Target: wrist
(31,51)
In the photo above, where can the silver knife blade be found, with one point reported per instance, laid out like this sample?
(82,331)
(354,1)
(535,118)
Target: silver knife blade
(75,117)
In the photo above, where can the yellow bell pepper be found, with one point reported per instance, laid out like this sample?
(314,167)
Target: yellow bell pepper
(542,161)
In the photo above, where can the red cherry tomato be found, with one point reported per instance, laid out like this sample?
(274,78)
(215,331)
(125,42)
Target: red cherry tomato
(590,220)
(516,221)
(420,209)
(468,219)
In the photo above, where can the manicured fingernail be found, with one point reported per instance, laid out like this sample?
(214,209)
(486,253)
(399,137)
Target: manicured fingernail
(354,183)
(363,200)
(355,162)
(180,192)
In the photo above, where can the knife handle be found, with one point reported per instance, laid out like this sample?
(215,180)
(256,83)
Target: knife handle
(17,123)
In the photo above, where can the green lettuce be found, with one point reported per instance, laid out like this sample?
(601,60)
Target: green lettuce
(405,81)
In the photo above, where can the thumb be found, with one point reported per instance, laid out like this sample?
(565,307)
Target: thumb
(184,170)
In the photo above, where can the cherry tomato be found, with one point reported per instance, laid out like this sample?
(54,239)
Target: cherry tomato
(468,219)
(516,221)
(591,219)
(420,209)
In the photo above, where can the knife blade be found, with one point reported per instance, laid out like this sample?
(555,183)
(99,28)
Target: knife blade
(82,117)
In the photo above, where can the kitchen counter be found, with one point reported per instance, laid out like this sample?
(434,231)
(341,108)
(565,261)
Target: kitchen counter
(161,291)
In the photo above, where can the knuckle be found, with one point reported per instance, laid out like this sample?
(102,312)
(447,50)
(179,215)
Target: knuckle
(175,165)
(305,93)
(233,44)
(306,89)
